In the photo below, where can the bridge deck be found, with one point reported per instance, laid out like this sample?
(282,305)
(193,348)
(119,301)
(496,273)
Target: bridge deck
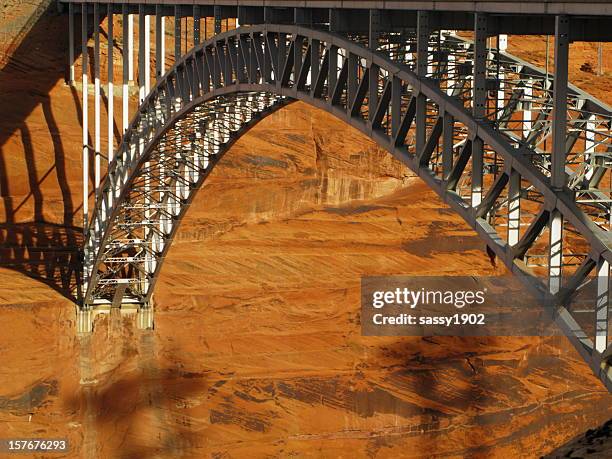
(574,7)
(591,20)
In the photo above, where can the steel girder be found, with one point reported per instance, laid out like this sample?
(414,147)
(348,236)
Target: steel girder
(521,107)
(223,86)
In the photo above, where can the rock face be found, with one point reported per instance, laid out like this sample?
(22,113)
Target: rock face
(594,443)
(257,350)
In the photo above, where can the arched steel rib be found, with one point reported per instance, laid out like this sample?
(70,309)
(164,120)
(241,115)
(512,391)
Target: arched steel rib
(276,63)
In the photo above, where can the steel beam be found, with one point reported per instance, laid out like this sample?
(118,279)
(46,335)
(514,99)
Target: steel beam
(589,148)
(479,107)
(142,54)
(373,91)
(526,9)
(479,102)
(162,53)
(448,139)
(559,111)
(147,53)
(332,78)
(130,47)
(71,44)
(502,45)
(555,254)
(159,38)
(423,32)
(527,115)
(374,28)
(602,306)
(218,18)
(126,37)
(110,91)
(352,81)
(196,25)
(396,107)
(315,56)
(97,96)
(514,208)
(177,33)
(85,85)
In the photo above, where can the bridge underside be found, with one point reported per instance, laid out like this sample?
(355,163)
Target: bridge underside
(521,155)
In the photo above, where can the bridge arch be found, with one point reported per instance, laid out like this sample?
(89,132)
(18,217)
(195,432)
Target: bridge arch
(222,87)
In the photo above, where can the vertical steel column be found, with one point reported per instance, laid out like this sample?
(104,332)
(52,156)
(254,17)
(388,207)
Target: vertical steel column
(85,83)
(479,103)
(196,25)
(147,53)
(298,57)
(527,116)
(158,42)
(372,91)
(142,47)
(452,72)
(373,42)
(218,18)
(352,81)
(603,303)
(126,68)
(332,51)
(514,208)
(559,111)
(448,139)
(334,20)
(396,105)
(162,33)
(589,144)
(374,29)
(559,134)
(174,200)
(555,259)
(111,90)
(315,56)
(144,74)
(130,34)
(502,46)
(177,33)
(430,64)
(280,59)
(423,31)
(97,96)
(71,44)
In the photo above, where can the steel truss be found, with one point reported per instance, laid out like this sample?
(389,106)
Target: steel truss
(475,129)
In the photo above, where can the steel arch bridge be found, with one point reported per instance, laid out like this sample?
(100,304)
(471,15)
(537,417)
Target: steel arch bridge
(520,155)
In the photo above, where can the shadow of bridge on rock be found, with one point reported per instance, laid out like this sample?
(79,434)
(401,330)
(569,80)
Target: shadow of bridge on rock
(46,252)
(32,241)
